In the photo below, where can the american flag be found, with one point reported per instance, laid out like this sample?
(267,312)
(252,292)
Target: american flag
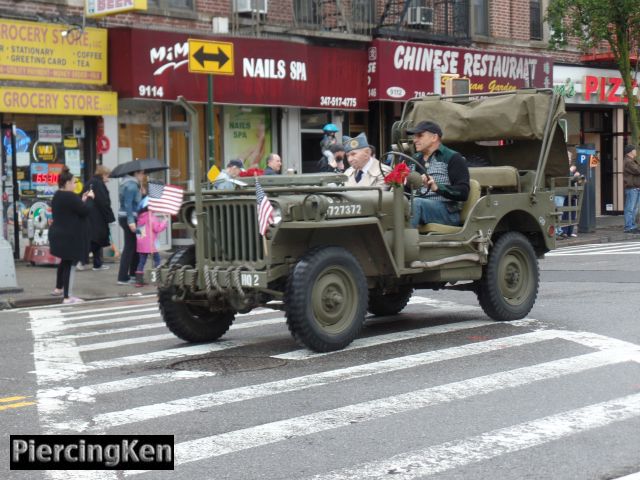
(264,208)
(165,198)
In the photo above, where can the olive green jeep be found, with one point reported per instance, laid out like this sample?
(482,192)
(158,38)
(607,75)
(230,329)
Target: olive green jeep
(334,253)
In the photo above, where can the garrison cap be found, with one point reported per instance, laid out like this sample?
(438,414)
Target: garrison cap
(356,143)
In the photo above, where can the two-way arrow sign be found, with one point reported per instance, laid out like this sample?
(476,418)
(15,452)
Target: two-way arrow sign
(210,57)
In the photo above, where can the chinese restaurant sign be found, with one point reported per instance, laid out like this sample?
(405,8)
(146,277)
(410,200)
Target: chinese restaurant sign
(152,64)
(58,102)
(39,52)
(401,70)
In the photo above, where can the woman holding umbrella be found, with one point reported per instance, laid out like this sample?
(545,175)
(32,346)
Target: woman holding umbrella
(132,174)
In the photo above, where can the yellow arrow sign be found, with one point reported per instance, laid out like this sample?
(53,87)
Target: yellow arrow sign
(210,57)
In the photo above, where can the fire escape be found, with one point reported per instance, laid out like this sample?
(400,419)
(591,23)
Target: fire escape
(435,21)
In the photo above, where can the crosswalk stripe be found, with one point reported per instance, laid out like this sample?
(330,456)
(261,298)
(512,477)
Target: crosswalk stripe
(265,434)
(305,354)
(86,393)
(250,392)
(105,312)
(598,249)
(459,453)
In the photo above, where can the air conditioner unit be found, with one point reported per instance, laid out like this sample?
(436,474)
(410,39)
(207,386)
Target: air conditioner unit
(420,16)
(249,6)
(457,86)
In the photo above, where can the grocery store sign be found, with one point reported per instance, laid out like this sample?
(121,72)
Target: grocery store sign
(58,102)
(40,52)
(100,8)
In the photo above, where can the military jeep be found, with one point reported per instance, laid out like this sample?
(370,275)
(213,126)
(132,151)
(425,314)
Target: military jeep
(334,253)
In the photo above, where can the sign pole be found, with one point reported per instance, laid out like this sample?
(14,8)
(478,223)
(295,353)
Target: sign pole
(210,122)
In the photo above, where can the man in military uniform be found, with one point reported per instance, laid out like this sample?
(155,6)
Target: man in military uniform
(365,171)
(445,178)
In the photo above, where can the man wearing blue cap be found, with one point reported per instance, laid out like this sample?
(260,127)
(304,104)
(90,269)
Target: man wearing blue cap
(365,171)
(445,178)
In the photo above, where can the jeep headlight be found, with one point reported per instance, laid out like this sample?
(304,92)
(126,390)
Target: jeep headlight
(192,218)
(277,215)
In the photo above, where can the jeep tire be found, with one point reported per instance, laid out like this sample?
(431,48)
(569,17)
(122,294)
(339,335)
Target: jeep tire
(192,323)
(509,284)
(326,299)
(383,304)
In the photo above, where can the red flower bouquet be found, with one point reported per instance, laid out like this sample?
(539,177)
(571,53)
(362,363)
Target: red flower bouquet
(398,175)
(252,172)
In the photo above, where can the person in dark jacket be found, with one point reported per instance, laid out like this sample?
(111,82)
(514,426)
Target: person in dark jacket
(69,232)
(274,164)
(100,216)
(129,193)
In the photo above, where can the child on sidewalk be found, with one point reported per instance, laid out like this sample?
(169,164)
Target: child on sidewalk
(149,225)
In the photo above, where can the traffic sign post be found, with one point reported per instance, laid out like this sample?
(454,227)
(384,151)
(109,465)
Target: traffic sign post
(215,58)
(212,58)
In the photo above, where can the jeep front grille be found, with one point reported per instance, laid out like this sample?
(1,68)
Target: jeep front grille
(233,233)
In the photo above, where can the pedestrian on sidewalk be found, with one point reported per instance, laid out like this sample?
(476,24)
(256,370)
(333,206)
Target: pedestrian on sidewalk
(100,216)
(149,226)
(129,195)
(69,232)
(631,182)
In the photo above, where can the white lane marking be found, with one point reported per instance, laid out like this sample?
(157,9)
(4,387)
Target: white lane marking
(87,393)
(260,435)
(68,326)
(163,336)
(70,308)
(105,312)
(305,354)
(459,453)
(171,353)
(598,246)
(600,249)
(135,328)
(633,476)
(183,405)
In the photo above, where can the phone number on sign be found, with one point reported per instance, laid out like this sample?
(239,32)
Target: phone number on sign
(338,102)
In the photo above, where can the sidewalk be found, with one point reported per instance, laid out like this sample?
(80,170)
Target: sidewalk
(38,281)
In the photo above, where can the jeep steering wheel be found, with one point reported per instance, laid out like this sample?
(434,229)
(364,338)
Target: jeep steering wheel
(404,157)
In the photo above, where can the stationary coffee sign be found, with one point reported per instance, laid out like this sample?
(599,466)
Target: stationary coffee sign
(403,70)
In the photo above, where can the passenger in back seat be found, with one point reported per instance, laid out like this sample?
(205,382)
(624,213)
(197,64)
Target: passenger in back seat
(445,178)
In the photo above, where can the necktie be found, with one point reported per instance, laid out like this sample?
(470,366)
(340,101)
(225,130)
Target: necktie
(358,176)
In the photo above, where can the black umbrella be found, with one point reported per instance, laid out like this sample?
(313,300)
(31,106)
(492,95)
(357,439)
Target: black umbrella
(147,164)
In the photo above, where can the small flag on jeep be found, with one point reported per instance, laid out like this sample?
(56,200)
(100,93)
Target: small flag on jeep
(165,198)
(264,209)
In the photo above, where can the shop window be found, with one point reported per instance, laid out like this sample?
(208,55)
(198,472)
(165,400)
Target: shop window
(535,20)
(247,135)
(480,17)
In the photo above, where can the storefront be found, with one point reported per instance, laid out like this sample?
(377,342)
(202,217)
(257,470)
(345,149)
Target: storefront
(274,97)
(399,71)
(57,121)
(596,116)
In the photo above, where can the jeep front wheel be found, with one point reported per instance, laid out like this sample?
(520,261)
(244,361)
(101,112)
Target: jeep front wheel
(190,322)
(509,284)
(326,299)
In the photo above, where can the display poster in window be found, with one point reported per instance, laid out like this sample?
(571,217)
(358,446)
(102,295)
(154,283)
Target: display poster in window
(50,133)
(23,159)
(44,152)
(247,135)
(72,159)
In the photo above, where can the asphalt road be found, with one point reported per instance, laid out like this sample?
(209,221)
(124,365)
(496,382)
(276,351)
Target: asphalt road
(438,391)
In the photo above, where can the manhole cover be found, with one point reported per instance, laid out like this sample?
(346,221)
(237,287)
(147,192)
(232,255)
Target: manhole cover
(229,364)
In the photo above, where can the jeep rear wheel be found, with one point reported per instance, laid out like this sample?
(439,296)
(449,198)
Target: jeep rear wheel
(190,322)
(381,304)
(326,299)
(509,284)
